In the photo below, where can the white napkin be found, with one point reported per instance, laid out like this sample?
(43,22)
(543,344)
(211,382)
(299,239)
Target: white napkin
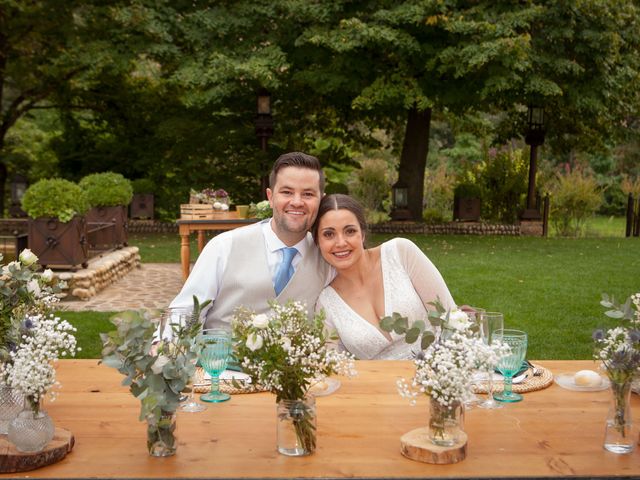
(483,376)
(228,375)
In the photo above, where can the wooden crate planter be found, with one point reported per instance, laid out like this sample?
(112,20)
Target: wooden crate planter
(197,211)
(141,206)
(107,237)
(59,244)
(466,208)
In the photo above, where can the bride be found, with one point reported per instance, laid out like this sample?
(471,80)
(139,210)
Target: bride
(371,283)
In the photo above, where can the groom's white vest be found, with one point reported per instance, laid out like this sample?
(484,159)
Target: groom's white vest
(247,280)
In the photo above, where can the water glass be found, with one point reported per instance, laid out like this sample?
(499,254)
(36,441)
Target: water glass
(491,327)
(215,348)
(510,364)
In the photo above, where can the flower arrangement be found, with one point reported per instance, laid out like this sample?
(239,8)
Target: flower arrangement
(261,210)
(218,198)
(444,369)
(23,291)
(619,348)
(156,373)
(286,353)
(619,351)
(43,340)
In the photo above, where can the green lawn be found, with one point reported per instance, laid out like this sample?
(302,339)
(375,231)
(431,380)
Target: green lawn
(549,287)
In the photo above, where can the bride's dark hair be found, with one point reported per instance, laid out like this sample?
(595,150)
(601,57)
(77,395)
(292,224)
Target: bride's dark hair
(339,201)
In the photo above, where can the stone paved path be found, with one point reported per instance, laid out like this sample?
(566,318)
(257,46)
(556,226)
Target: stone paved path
(153,285)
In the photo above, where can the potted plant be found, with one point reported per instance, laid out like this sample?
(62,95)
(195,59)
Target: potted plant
(57,226)
(143,198)
(109,194)
(466,202)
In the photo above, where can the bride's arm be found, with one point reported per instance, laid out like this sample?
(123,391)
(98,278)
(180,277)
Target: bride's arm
(425,277)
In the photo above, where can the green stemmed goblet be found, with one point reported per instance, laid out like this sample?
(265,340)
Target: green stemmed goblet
(510,364)
(215,348)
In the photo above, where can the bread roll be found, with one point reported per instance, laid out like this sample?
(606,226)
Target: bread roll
(587,378)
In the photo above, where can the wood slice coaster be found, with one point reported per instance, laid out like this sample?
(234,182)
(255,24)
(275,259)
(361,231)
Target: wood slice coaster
(417,446)
(12,460)
(530,384)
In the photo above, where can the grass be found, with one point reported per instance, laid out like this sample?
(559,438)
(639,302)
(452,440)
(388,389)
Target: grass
(549,287)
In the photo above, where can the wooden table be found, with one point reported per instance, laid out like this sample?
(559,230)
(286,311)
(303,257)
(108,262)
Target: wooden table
(552,433)
(187,227)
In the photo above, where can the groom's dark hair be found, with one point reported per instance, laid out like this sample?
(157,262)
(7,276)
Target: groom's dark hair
(339,201)
(296,159)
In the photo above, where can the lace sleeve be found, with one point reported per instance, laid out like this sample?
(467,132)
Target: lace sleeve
(425,277)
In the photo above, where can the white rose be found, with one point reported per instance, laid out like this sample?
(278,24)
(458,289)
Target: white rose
(254,342)
(47,275)
(458,320)
(217,205)
(159,364)
(27,257)
(224,207)
(286,343)
(260,321)
(33,287)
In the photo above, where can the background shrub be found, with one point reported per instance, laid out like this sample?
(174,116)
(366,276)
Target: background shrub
(438,193)
(143,185)
(55,197)
(371,185)
(107,189)
(575,197)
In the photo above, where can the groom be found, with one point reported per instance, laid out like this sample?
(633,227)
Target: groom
(275,258)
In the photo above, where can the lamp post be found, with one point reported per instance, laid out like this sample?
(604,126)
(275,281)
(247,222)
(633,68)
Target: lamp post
(400,201)
(534,138)
(18,187)
(264,130)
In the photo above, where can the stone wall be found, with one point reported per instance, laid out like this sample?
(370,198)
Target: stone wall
(101,272)
(451,228)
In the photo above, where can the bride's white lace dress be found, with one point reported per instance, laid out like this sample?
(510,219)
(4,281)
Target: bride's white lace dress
(410,281)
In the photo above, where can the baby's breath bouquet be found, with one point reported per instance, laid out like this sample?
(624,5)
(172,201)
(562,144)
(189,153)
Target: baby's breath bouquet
(444,370)
(43,340)
(286,353)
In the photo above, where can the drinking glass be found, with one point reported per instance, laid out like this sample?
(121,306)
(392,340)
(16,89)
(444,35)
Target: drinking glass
(491,328)
(474,317)
(182,316)
(510,364)
(215,347)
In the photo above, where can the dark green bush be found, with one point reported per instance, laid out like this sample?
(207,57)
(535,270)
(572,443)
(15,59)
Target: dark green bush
(467,190)
(143,185)
(55,197)
(107,189)
(503,179)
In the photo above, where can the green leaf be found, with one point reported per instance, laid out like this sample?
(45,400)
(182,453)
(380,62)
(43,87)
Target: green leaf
(387,323)
(401,324)
(412,335)
(427,339)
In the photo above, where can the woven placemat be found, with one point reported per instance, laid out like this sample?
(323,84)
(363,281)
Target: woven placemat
(531,383)
(203,385)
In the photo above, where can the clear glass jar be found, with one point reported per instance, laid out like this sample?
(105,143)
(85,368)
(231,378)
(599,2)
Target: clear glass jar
(446,423)
(31,430)
(11,404)
(619,437)
(161,439)
(296,426)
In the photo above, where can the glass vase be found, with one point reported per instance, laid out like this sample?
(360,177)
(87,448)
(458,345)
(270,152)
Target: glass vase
(31,430)
(11,403)
(296,426)
(161,439)
(446,423)
(618,430)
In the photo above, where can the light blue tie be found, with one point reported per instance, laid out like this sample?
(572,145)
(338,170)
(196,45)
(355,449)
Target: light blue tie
(285,269)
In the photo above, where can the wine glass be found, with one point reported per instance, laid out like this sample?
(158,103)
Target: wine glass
(181,315)
(215,348)
(474,317)
(510,364)
(491,327)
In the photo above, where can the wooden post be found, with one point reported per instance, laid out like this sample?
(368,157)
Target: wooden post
(629,228)
(636,222)
(545,216)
